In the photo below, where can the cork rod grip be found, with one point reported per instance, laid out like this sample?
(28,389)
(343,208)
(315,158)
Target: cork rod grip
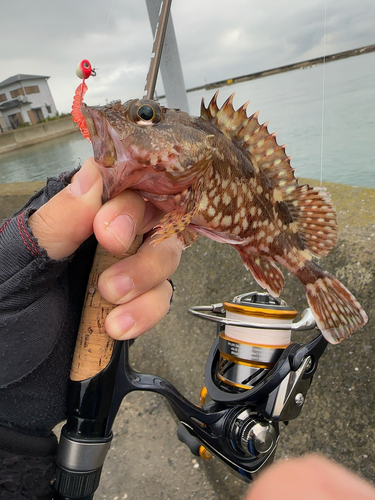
(94,347)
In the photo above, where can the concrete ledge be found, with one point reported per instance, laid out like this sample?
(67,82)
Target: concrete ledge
(337,419)
(15,194)
(146,459)
(27,136)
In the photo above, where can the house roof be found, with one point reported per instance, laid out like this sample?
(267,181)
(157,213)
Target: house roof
(21,77)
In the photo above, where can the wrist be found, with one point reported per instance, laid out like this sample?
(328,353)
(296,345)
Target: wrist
(16,442)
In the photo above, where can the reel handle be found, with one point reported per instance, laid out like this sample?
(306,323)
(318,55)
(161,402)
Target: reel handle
(94,347)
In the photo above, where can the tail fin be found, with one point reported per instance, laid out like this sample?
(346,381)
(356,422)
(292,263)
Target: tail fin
(337,312)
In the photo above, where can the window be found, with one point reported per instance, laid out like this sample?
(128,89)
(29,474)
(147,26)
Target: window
(33,89)
(15,120)
(49,109)
(16,92)
(3,97)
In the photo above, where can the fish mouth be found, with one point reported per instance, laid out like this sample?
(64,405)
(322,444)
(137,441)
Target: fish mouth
(104,150)
(102,143)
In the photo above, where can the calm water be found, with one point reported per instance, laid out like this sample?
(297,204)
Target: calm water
(44,160)
(292,103)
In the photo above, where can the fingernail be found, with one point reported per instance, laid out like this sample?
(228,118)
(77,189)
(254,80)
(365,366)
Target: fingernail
(83,180)
(122,326)
(123,229)
(120,285)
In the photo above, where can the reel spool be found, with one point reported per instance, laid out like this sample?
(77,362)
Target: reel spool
(248,352)
(254,330)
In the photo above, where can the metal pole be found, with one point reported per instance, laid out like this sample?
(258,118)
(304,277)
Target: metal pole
(157,48)
(170,64)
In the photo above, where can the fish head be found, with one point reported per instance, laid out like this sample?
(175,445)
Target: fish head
(142,145)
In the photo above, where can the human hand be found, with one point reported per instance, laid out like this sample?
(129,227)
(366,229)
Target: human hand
(41,295)
(311,477)
(46,261)
(138,283)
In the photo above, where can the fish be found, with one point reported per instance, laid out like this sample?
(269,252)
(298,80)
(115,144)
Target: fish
(223,175)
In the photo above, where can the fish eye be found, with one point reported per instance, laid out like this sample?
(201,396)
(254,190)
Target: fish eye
(148,113)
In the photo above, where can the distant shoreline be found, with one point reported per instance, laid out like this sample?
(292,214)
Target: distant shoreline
(283,69)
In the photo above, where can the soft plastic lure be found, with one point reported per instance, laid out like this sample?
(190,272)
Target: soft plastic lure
(84,70)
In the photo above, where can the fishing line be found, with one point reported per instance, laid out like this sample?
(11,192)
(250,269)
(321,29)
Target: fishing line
(104,33)
(323,93)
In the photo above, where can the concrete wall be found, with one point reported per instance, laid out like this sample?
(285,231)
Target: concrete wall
(146,460)
(33,134)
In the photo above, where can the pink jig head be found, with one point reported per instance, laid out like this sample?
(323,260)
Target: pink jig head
(84,71)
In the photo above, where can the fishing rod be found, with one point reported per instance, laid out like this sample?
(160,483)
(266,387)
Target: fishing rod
(86,436)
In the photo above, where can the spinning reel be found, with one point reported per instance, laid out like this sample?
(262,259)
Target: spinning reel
(255,378)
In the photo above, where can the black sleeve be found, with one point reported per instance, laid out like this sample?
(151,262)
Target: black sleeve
(28,282)
(27,466)
(40,308)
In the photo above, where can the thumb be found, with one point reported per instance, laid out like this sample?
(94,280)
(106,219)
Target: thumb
(66,220)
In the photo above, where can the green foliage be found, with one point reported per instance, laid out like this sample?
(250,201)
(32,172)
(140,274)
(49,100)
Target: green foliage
(51,118)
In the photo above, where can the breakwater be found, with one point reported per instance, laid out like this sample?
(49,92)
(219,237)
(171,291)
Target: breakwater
(282,69)
(27,136)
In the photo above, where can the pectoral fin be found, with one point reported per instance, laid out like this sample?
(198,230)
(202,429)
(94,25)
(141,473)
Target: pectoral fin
(178,220)
(173,223)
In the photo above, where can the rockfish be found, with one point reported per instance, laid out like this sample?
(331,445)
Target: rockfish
(223,175)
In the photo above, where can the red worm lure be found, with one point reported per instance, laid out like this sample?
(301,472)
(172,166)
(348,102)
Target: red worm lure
(84,71)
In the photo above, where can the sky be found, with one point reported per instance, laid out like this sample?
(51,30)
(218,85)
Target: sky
(217,40)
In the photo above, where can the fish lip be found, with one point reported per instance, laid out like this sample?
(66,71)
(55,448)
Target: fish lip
(89,120)
(102,143)
(104,148)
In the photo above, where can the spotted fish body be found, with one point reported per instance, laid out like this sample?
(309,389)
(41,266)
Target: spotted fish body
(223,175)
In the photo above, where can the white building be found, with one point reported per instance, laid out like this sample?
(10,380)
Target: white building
(2,123)
(25,99)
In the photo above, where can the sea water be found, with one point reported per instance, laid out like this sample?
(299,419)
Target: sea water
(43,160)
(325,114)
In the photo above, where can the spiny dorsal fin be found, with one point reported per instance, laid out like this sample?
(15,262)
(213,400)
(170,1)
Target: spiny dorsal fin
(254,139)
(311,208)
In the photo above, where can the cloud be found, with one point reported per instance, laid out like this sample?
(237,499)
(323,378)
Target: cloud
(217,39)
